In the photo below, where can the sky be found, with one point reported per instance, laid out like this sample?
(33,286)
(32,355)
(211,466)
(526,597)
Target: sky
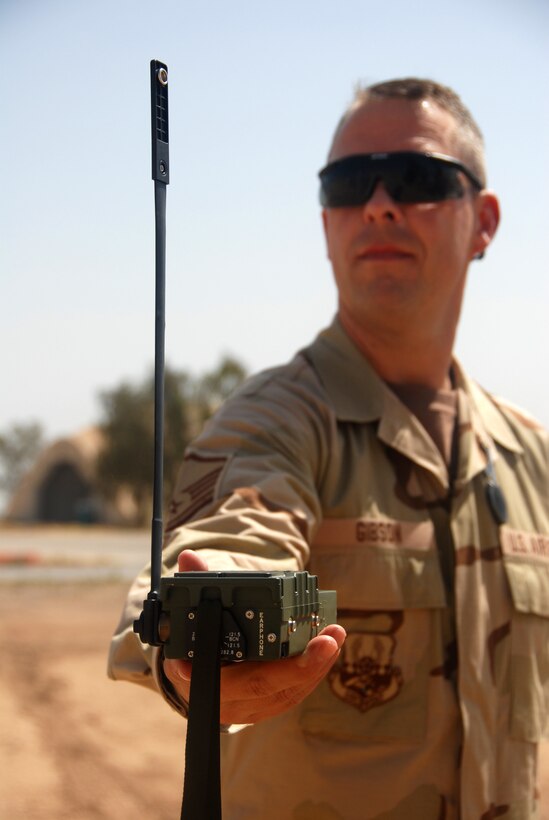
(255,92)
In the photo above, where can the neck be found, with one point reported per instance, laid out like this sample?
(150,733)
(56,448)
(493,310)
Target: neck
(401,357)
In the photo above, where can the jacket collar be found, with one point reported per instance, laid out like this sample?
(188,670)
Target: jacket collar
(354,389)
(358,394)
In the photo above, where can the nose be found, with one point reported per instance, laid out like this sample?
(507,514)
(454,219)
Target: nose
(381,206)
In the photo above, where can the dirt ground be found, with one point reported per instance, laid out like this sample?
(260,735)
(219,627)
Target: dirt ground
(74,744)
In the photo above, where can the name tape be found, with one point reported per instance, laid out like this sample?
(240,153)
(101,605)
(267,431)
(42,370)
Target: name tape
(517,543)
(374,532)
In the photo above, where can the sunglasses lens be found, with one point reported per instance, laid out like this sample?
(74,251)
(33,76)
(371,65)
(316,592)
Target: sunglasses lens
(346,183)
(417,178)
(408,177)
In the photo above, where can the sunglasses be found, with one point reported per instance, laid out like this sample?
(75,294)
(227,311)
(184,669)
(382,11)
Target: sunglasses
(407,176)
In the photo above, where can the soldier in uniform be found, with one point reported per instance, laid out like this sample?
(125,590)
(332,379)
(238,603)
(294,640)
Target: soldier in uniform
(376,463)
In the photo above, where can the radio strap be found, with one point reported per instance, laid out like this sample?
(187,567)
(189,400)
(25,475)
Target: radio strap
(202,783)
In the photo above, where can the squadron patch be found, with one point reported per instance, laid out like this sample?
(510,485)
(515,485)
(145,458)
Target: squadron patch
(366,676)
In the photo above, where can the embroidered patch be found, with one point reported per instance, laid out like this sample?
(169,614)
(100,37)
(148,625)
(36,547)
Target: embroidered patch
(365,676)
(533,545)
(195,488)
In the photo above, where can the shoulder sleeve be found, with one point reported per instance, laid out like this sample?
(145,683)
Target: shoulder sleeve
(248,484)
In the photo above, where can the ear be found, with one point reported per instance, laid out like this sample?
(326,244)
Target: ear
(487,222)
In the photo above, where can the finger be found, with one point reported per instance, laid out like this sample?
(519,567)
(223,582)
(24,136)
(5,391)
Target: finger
(179,674)
(190,561)
(335,631)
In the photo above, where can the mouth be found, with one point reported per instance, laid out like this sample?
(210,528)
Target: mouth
(383,253)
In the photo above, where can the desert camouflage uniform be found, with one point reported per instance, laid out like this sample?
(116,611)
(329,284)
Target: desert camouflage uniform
(441,693)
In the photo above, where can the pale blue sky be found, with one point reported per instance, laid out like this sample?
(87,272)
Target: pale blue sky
(255,92)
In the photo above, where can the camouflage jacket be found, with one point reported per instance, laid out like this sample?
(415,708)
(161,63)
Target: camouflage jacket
(441,693)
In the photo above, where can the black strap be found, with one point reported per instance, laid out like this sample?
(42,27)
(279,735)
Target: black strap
(202,786)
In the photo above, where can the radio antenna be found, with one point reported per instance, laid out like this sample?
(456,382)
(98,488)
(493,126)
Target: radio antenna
(147,626)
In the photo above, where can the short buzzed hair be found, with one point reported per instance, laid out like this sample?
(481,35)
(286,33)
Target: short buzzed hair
(414,89)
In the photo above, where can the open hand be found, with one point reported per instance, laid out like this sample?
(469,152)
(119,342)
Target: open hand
(255,690)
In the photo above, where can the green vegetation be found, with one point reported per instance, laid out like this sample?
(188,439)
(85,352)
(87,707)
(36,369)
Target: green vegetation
(127,421)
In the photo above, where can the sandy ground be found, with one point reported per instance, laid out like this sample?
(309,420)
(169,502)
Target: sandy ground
(74,744)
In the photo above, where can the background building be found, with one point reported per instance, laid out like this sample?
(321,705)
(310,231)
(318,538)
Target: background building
(62,486)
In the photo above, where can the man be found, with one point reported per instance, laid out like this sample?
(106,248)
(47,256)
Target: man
(372,460)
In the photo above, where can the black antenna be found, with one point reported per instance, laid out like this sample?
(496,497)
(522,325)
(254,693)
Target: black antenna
(147,625)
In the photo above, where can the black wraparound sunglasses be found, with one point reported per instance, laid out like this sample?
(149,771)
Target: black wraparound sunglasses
(408,177)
